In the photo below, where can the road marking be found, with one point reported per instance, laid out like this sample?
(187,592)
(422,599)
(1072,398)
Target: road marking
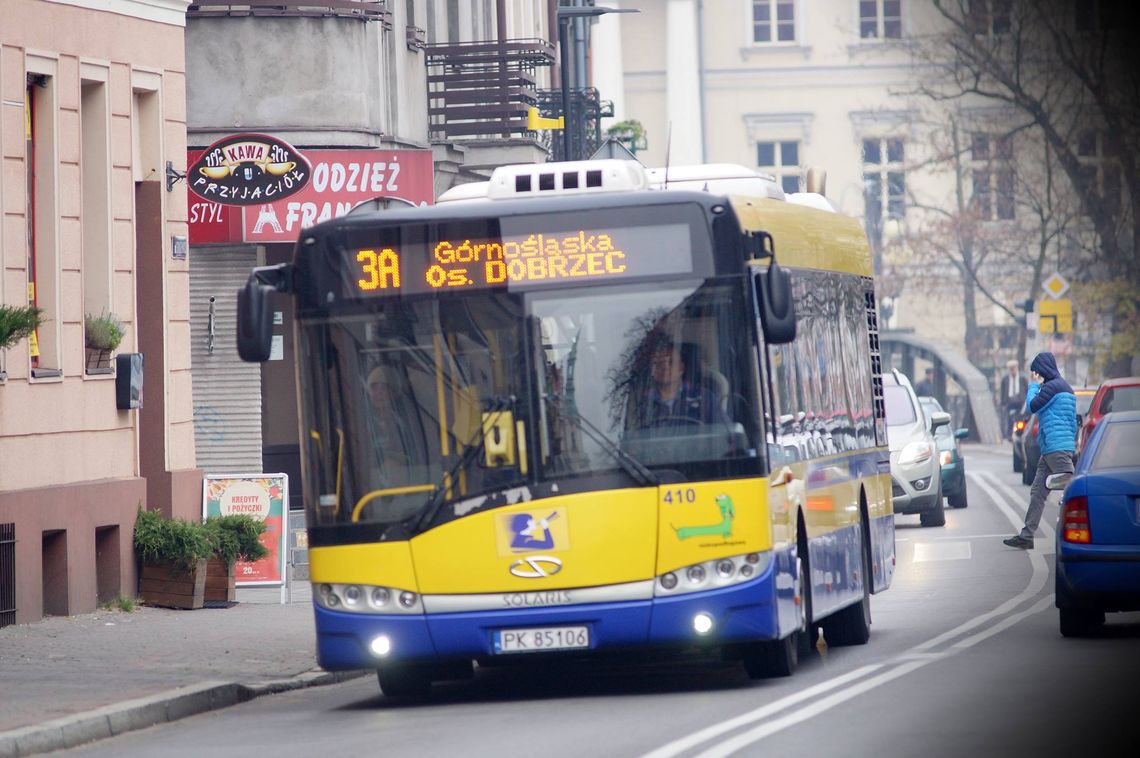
(941,551)
(901,665)
(676,747)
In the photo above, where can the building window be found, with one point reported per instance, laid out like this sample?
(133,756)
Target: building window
(1099,155)
(991,158)
(42,221)
(884,186)
(95,173)
(773,21)
(880,19)
(782,160)
(989,17)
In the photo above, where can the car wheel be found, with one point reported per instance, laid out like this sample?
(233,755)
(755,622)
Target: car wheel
(1017,464)
(404,681)
(1027,475)
(958,500)
(1077,622)
(937,516)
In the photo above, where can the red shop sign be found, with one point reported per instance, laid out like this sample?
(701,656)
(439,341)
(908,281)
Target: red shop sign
(339,181)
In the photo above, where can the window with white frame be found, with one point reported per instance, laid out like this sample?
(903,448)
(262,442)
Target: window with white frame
(1099,154)
(991,167)
(782,160)
(884,185)
(880,19)
(773,21)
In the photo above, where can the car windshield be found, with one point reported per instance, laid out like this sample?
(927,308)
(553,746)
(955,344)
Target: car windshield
(1120,399)
(1118,446)
(900,410)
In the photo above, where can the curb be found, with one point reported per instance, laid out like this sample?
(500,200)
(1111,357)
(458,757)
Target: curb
(140,713)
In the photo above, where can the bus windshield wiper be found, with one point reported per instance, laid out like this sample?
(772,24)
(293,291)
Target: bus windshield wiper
(635,468)
(474,447)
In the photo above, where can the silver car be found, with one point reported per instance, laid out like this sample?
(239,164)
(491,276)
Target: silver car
(916,476)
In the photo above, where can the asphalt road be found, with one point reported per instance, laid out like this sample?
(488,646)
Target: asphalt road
(965,658)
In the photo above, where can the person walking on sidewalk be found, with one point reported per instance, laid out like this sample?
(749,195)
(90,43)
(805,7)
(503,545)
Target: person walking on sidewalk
(1052,399)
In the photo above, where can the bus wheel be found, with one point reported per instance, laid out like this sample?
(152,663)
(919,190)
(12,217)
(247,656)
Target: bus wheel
(852,625)
(772,658)
(404,681)
(808,634)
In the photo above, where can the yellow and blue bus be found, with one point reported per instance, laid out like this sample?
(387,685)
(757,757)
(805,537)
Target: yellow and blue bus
(584,410)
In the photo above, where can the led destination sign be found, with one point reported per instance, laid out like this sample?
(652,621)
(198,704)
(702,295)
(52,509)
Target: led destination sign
(520,261)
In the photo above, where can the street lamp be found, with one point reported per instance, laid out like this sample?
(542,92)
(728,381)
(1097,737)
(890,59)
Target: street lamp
(565,14)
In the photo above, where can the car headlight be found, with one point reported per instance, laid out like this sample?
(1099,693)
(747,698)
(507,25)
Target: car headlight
(916,452)
(945,458)
(366,598)
(714,574)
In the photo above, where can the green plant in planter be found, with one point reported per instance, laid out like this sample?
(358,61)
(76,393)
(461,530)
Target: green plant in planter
(102,332)
(236,537)
(183,544)
(17,322)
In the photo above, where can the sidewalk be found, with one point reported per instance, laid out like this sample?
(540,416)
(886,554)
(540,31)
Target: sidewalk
(67,680)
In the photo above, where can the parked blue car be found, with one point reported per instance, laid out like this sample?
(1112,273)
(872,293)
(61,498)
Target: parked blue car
(1098,531)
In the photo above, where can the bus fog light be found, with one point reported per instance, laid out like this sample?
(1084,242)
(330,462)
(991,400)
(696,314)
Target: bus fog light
(380,645)
(407,599)
(725,568)
(746,570)
(702,623)
(669,581)
(352,594)
(695,574)
(325,590)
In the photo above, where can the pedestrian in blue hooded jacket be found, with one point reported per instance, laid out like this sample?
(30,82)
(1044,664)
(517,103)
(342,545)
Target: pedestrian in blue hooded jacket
(1052,399)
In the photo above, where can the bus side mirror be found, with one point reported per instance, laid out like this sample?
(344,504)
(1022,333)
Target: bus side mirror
(777,308)
(254,321)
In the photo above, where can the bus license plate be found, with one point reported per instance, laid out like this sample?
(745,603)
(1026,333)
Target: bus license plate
(541,640)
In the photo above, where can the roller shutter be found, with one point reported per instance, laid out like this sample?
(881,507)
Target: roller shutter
(227,390)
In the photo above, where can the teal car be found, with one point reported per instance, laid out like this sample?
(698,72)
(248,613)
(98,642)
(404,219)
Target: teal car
(949,456)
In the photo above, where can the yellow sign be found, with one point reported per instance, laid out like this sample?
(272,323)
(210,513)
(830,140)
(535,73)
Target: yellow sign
(1056,316)
(535,122)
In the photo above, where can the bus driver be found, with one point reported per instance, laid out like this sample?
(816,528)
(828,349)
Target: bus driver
(672,399)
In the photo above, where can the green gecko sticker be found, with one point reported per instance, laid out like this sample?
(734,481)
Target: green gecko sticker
(721,529)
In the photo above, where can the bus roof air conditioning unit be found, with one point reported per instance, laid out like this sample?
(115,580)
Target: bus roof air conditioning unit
(568,178)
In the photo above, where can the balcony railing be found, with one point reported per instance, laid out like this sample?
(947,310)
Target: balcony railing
(483,89)
(365,10)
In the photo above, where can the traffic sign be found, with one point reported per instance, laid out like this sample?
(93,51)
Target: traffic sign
(1056,316)
(1055,286)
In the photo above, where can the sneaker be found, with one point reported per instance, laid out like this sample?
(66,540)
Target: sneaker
(1020,542)
(1057,481)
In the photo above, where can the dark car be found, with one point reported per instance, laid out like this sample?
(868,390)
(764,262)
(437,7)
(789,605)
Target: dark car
(1031,446)
(1120,394)
(949,456)
(1098,531)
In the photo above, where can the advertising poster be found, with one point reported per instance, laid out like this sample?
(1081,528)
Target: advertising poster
(264,497)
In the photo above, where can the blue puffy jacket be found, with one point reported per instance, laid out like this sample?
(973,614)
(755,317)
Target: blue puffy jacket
(1055,406)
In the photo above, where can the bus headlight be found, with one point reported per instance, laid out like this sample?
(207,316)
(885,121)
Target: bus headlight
(721,572)
(363,598)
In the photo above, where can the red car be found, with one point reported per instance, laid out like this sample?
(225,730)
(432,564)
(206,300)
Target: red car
(1121,394)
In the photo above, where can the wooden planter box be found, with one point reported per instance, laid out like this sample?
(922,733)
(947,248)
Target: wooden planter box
(220,581)
(168,587)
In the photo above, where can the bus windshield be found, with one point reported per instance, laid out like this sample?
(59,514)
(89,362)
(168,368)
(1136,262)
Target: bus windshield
(409,402)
